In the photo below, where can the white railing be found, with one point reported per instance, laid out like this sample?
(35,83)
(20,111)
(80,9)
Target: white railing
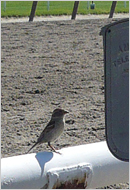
(84,166)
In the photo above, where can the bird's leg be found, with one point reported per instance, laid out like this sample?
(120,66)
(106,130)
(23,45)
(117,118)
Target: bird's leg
(49,144)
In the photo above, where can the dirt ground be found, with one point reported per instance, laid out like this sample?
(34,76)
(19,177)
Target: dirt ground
(45,65)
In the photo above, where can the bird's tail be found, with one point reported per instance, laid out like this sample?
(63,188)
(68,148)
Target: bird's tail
(32,147)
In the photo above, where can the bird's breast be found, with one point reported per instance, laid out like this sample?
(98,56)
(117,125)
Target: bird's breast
(58,129)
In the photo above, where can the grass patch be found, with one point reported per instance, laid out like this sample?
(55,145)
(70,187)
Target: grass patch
(23,8)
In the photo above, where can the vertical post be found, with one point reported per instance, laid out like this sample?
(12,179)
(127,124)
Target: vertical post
(112,9)
(48,5)
(125,4)
(4,6)
(87,4)
(32,14)
(76,3)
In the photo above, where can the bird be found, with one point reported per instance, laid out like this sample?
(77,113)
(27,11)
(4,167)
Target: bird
(53,129)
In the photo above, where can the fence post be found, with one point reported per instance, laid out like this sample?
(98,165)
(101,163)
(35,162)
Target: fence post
(125,4)
(4,6)
(76,3)
(48,5)
(87,4)
(112,9)
(34,5)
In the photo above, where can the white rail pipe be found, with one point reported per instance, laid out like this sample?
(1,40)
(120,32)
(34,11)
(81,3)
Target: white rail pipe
(88,166)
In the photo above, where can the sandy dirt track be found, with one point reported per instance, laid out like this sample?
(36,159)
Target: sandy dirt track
(45,65)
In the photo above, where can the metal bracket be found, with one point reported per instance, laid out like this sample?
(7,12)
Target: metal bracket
(71,177)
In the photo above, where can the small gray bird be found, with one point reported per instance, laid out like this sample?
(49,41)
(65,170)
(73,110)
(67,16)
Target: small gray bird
(53,129)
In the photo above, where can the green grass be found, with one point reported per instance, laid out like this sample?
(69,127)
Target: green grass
(23,8)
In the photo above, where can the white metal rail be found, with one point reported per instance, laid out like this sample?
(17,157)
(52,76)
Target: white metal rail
(84,166)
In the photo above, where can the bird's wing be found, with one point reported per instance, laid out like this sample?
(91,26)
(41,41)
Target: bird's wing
(47,129)
(49,126)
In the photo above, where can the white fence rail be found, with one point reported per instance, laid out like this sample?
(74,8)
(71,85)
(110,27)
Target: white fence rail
(84,166)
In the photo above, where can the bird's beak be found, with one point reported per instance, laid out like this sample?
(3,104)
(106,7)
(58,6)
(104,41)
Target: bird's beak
(65,112)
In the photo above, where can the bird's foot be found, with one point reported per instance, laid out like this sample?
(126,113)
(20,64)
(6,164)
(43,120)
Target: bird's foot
(57,152)
(53,149)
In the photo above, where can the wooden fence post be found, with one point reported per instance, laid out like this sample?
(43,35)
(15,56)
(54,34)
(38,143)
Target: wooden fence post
(32,14)
(112,9)
(76,3)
